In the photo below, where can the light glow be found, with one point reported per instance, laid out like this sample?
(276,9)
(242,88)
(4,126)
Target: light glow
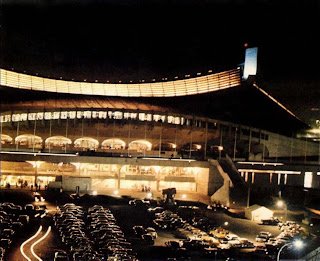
(37,242)
(27,241)
(250,64)
(260,163)
(298,244)
(190,86)
(280,204)
(38,154)
(290,172)
(308,179)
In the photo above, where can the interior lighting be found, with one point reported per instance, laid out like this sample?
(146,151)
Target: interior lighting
(116,192)
(260,163)
(184,196)
(94,193)
(36,154)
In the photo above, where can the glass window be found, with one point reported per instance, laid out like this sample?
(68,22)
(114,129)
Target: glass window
(94,114)
(56,115)
(118,115)
(308,179)
(64,115)
(79,114)
(87,114)
(24,116)
(72,114)
(142,116)
(31,116)
(15,117)
(102,114)
(47,115)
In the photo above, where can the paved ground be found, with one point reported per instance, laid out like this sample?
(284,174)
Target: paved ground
(46,248)
(127,216)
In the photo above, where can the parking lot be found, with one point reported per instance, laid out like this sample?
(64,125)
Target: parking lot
(109,227)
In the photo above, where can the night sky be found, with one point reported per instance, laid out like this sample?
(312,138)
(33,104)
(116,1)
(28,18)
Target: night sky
(145,40)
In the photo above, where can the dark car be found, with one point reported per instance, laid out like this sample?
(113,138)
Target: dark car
(139,230)
(148,239)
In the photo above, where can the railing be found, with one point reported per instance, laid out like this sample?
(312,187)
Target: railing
(190,86)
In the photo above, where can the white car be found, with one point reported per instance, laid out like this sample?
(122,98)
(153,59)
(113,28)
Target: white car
(60,256)
(151,231)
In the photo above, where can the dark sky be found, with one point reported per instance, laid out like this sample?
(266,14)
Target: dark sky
(135,40)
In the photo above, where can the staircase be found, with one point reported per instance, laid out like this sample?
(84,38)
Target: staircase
(239,189)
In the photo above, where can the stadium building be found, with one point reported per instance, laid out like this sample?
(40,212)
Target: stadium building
(209,134)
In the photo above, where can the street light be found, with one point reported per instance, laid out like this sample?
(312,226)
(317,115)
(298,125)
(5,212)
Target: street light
(298,244)
(282,204)
(220,149)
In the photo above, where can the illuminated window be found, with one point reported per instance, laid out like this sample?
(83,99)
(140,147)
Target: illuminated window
(57,141)
(47,115)
(149,117)
(7,118)
(140,145)
(142,116)
(6,139)
(156,117)
(64,115)
(29,141)
(56,115)
(118,115)
(102,114)
(72,114)
(32,116)
(170,119)
(40,116)
(113,144)
(79,114)
(308,179)
(94,115)
(126,115)
(87,114)
(86,143)
(15,117)
(24,116)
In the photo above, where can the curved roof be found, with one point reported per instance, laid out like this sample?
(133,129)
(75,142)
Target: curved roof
(246,105)
(190,86)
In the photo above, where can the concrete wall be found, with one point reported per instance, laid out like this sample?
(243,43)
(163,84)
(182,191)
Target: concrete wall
(282,146)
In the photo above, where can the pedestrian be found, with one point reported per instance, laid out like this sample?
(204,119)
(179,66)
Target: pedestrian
(31,187)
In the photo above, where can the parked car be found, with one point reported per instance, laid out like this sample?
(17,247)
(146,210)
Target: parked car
(139,230)
(148,239)
(270,222)
(151,231)
(60,256)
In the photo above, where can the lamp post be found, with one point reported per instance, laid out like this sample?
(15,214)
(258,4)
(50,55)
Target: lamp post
(220,149)
(298,244)
(283,205)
